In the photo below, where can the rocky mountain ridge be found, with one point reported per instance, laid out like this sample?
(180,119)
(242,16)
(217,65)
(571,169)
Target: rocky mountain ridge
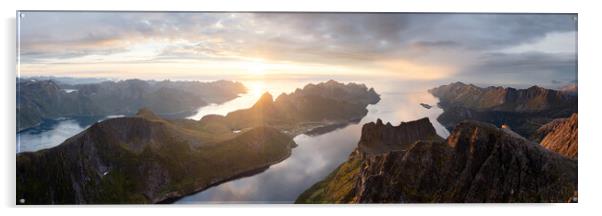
(478,162)
(304,110)
(524,110)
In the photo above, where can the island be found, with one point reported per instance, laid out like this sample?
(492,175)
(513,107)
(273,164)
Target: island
(149,159)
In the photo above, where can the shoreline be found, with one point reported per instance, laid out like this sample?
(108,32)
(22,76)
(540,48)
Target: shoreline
(248,173)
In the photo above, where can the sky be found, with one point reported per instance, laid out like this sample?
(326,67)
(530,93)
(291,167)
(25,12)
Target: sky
(480,48)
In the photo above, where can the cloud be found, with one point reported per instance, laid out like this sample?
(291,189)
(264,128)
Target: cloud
(449,43)
(533,66)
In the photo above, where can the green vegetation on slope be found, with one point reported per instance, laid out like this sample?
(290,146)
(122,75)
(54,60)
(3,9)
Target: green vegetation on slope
(337,187)
(142,160)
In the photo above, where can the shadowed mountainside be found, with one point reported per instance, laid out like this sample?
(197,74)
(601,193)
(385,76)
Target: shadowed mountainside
(478,162)
(143,159)
(524,110)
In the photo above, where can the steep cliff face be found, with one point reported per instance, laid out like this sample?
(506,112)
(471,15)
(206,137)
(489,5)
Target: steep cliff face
(143,159)
(524,110)
(561,136)
(477,163)
(377,139)
(381,138)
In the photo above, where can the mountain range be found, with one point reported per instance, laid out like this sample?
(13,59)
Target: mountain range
(39,99)
(149,159)
(315,107)
(528,154)
(523,110)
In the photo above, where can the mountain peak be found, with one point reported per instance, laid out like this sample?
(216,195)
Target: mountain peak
(266,98)
(381,138)
(266,101)
(477,163)
(147,114)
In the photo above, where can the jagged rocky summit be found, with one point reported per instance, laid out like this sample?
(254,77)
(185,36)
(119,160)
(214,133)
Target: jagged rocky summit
(478,162)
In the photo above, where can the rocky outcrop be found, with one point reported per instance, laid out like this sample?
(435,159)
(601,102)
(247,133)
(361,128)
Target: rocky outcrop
(144,159)
(39,99)
(381,138)
(561,136)
(478,162)
(524,110)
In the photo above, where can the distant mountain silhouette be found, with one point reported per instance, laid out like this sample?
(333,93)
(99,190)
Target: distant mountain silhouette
(39,99)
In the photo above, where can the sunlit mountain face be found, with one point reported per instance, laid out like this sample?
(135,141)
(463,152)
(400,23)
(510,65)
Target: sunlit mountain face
(513,49)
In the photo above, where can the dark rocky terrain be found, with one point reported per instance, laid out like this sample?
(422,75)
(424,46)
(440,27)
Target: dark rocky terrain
(524,110)
(39,99)
(478,162)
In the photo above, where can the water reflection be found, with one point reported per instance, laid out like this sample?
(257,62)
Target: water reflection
(311,161)
(255,89)
(316,156)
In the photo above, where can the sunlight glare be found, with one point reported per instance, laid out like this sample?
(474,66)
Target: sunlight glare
(257,67)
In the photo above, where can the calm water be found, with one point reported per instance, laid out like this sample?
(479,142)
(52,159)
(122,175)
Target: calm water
(313,159)
(52,132)
(316,156)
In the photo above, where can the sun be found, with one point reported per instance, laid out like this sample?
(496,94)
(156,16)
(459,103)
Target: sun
(257,67)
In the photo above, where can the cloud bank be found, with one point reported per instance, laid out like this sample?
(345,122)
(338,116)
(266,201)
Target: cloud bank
(474,47)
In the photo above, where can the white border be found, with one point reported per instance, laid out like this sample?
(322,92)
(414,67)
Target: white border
(589,93)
